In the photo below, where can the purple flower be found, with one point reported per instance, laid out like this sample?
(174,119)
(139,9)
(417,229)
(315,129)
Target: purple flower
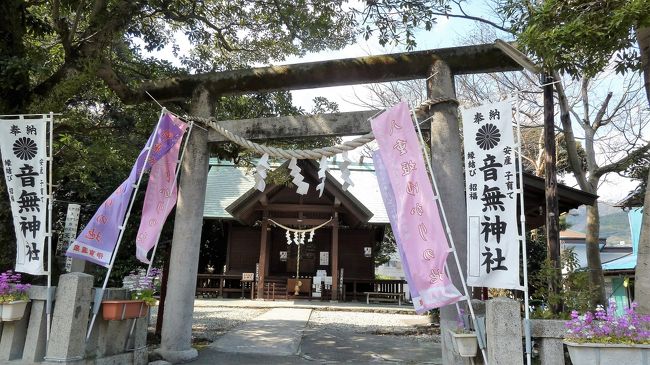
(11,289)
(608,327)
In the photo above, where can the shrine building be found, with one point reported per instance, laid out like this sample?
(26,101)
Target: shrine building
(243,236)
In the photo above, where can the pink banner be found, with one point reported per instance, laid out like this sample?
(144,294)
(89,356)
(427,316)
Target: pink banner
(159,200)
(422,240)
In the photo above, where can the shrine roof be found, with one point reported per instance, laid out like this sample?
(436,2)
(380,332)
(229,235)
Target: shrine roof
(227,183)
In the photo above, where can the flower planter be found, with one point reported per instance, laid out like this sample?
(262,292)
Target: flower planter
(116,310)
(14,311)
(466,343)
(606,354)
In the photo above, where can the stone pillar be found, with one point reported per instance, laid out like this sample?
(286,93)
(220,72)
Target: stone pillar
(447,163)
(13,337)
(549,333)
(479,311)
(108,337)
(176,342)
(138,340)
(503,328)
(35,340)
(70,318)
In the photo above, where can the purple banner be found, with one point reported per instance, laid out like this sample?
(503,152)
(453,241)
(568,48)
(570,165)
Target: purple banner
(98,239)
(159,201)
(419,232)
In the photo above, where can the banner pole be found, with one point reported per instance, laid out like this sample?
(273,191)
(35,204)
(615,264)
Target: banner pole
(99,295)
(178,170)
(50,197)
(451,239)
(155,247)
(524,245)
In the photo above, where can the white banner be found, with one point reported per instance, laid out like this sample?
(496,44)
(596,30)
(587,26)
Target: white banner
(491,195)
(23,148)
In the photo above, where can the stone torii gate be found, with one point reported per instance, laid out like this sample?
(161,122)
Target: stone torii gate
(437,66)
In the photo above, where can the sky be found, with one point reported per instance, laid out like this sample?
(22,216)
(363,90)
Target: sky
(446,33)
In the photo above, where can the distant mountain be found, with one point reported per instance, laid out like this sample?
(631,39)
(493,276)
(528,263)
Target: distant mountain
(613,222)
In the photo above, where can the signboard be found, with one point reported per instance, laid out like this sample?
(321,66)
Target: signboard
(24,158)
(491,195)
(283,255)
(367,251)
(324,258)
(69,228)
(69,232)
(248,276)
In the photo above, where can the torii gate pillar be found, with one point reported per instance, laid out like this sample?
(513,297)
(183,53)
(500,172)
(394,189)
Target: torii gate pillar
(176,342)
(447,163)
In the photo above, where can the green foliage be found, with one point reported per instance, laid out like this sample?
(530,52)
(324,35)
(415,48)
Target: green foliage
(639,171)
(574,295)
(385,247)
(580,37)
(323,106)
(395,21)
(7,242)
(146,295)
(83,58)
(536,255)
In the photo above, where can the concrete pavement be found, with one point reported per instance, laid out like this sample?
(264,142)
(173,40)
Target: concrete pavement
(276,332)
(281,336)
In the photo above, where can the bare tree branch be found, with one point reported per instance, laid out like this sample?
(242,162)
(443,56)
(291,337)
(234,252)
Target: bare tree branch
(475,18)
(624,162)
(598,120)
(572,149)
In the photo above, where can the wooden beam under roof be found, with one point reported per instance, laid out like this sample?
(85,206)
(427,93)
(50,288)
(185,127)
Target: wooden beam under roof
(313,208)
(306,222)
(349,71)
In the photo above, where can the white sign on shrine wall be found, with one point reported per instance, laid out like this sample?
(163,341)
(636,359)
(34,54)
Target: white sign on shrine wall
(23,148)
(491,195)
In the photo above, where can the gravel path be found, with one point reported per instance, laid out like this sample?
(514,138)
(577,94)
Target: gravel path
(374,323)
(211,321)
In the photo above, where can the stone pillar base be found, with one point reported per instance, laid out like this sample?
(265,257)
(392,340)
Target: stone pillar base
(177,357)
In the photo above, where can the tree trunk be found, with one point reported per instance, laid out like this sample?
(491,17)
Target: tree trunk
(14,78)
(550,184)
(593,256)
(643,38)
(641,282)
